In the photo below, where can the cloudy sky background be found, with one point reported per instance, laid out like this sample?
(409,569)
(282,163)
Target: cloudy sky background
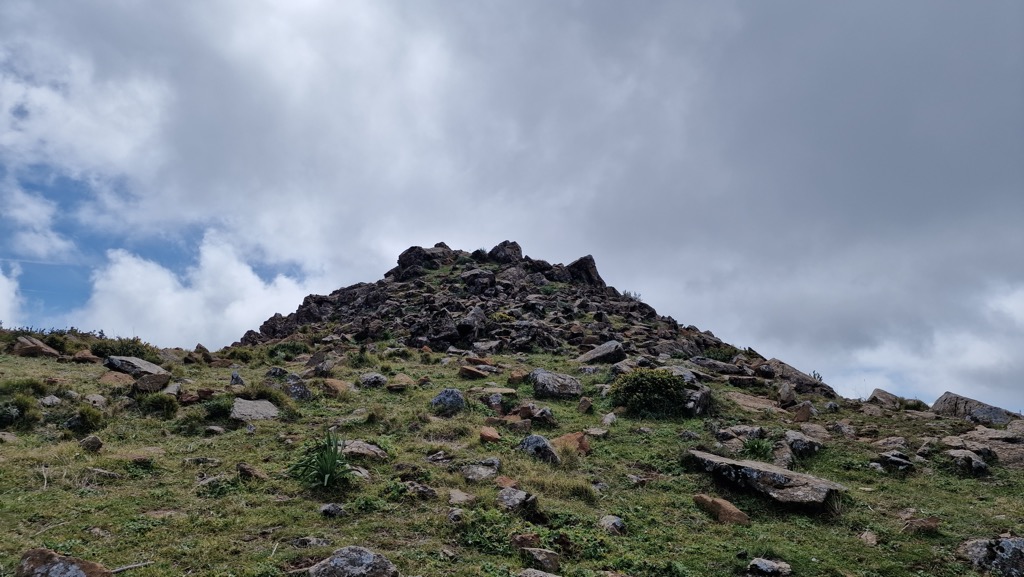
(839,185)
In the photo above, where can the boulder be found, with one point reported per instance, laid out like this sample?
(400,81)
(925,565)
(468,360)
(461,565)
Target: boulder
(26,346)
(540,448)
(612,524)
(133,366)
(953,405)
(243,410)
(85,356)
(448,402)
(152,383)
(44,562)
(803,383)
(609,352)
(506,252)
(584,270)
(511,499)
(968,462)
(372,380)
(884,399)
(781,485)
(1003,556)
(801,444)
(547,384)
(354,562)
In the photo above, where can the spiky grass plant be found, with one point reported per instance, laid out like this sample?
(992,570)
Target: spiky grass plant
(322,464)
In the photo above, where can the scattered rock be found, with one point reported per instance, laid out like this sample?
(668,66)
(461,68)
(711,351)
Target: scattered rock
(753,404)
(952,405)
(489,435)
(761,567)
(133,366)
(801,445)
(869,538)
(573,441)
(1002,556)
(357,448)
(26,346)
(610,352)
(85,356)
(47,563)
(968,462)
(884,399)
(545,559)
(152,383)
(722,510)
(247,471)
(540,448)
(372,380)
(332,510)
(511,499)
(585,405)
(306,542)
(457,497)
(613,525)
(354,562)
(895,461)
(554,385)
(783,486)
(92,444)
(448,402)
(243,410)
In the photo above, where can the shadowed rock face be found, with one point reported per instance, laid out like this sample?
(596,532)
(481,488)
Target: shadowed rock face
(782,485)
(953,405)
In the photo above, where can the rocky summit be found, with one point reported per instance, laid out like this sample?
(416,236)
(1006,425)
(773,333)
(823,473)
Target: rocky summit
(486,413)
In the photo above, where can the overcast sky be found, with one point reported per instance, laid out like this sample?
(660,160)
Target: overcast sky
(839,185)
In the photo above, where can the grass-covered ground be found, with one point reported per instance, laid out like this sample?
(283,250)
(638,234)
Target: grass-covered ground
(55,494)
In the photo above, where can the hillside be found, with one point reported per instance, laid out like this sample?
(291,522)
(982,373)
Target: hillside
(487,413)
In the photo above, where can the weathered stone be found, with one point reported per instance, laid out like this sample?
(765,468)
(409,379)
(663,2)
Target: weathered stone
(372,380)
(722,510)
(786,395)
(782,485)
(968,462)
(506,252)
(803,412)
(92,444)
(133,366)
(243,410)
(540,448)
(457,497)
(610,352)
(448,402)
(573,441)
(884,399)
(545,559)
(354,562)
(554,385)
(332,510)
(612,524)
(585,405)
(895,461)
(536,573)
(47,563)
(152,383)
(50,401)
(753,404)
(489,435)
(1002,556)
(468,372)
(760,567)
(801,444)
(26,346)
(511,499)
(584,270)
(358,448)
(952,405)
(85,356)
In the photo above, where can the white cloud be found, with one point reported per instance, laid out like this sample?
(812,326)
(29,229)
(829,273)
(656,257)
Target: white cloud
(33,218)
(214,302)
(10,298)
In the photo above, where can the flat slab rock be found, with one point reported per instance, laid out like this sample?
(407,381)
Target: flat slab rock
(133,366)
(244,410)
(46,562)
(782,485)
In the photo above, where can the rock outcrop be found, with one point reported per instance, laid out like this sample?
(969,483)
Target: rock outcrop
(953,405)
(781,485)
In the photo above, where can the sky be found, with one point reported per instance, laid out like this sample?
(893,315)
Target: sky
(838,185)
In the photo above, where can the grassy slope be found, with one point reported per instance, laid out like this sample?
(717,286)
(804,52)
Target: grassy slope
(49,498)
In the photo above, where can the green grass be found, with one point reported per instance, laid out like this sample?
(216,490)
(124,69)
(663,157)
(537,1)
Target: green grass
(51,494)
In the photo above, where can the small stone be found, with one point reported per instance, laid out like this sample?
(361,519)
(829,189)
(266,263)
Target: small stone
(236,379)
(489,435)
(247,471)
(515,500)
(92,444)
(608,420)
(457,497)
(585,405)
(540,448)
(213,430)
(332,510)
(372,381)
(456,516)
(357,448)
(765,567)
(50,401)
(612,525)
(354,562)
(448,402)
(722,510)
(244,410)
(869,538)
(306,542)
(545,559)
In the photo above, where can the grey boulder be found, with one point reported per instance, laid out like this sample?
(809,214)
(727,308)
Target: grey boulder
(354,562)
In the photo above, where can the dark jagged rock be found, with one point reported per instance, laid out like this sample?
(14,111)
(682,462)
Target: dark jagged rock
(502,301)
(953,405)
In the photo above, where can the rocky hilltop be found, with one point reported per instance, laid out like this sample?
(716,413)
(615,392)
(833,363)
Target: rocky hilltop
(495,301)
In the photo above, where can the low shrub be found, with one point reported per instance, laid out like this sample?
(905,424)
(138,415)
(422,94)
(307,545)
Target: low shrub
(266,392)
(651,392)
(89,419)
(287,351)
(162,404)
(121,347)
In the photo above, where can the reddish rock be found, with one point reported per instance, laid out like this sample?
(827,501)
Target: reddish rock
(506,482)
(489,435)
(468,372)
(722,510)
(517,377)
(116,379)
(85,356)
(27,346)
(42,562)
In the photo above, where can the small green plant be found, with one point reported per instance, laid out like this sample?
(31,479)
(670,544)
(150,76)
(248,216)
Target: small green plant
(817,376)
(257,391)
(913,405)
(162,404)
(322,464)
(287,351)
(89,419)
(633,296)
(121,347)
(23,386)
(219,407)
(758,449)
(723,353)
(502,317)
(651,392)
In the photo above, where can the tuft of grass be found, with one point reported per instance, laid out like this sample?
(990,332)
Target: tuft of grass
(758,449)
(162,404)
(322,464)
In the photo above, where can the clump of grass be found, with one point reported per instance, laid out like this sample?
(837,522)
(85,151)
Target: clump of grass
(287,351)
(88,419)
(26,386)
(219,407)
(758,449)
(162,404)
(121,347)
(22,412)
(257,391)
(322,464)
